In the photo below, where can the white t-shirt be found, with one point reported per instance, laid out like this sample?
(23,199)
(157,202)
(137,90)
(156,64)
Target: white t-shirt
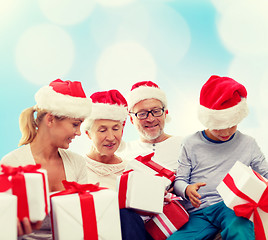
(166,152)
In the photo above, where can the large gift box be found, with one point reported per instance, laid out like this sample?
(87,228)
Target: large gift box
(30,185)
(246,192)
(141,191)
(161,226)
(85,212)
(8,216)
(147,165)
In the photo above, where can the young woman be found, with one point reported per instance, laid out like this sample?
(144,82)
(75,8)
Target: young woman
(47,130)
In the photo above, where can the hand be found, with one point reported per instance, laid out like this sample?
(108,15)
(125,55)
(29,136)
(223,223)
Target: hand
(26,227)
(191,192)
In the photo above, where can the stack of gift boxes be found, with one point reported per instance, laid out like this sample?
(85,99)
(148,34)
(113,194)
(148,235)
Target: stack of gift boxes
(24,193)
(142,188)
(89,211)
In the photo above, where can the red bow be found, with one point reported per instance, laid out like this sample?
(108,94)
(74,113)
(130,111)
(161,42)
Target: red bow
(147,160)
(11,171)
(247,209)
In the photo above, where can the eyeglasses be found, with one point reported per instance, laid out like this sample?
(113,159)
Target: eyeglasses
(156,112)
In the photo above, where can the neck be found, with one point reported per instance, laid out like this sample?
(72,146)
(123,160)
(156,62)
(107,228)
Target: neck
(107,159)
(42,149)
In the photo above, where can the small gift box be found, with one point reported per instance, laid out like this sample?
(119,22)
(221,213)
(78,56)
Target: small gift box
(246,192)
(161,226)
(147,165)
(85,212)
(8,216)
(30,185)
(141,191)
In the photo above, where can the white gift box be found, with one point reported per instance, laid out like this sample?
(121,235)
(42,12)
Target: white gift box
(249,184)
(141,191)
(67,216)
(8,216)
(30,185)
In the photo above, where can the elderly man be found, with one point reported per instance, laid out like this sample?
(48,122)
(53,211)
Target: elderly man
(148,113)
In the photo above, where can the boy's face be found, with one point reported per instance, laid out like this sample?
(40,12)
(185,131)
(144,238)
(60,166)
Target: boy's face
(221,134)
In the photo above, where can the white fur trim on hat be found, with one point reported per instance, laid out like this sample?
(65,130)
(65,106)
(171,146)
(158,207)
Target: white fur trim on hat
(106,111)
(225,118)
(145,92)
(62,105)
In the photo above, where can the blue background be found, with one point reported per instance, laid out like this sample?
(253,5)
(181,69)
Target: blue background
(109,44)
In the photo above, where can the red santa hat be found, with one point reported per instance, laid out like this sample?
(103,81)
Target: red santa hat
(145,90)
(223,103)
(107,105)
(64,98)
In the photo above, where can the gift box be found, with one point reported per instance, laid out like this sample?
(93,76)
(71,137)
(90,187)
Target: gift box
(85,212)
(8,216)
(141,191)
(161,226)
(246,192)
(30,185)
(147,165)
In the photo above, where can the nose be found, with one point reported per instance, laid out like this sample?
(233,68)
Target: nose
(225,132)
(78,132)
(110,135)
(150,117)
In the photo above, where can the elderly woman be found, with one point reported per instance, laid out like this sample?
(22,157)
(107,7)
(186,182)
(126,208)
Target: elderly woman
(47,130)
(105,129)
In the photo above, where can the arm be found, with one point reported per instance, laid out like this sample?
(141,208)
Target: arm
(259,163)
(183,185)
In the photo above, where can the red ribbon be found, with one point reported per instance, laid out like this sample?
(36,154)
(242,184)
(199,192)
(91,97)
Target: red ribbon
(247,209)
(163,172)
(87,206)
(17,183)
(122,191)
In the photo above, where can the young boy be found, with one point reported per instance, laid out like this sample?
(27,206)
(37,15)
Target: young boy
(207,156)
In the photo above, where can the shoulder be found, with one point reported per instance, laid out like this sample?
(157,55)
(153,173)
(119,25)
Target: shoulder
(244,138)
(16,157)
(71,157)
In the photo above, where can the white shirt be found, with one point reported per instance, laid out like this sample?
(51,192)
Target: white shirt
(166,152)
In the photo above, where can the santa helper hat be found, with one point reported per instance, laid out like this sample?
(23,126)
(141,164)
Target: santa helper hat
(107,105)
(145,90)
(223,103)
(64,98)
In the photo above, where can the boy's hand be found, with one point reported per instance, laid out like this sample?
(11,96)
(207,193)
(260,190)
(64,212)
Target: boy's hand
(191,192)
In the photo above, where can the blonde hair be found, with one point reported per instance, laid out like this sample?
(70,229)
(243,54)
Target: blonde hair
(28,124)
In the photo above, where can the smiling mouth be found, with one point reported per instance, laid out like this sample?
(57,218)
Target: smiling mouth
(151,126)
(109,145)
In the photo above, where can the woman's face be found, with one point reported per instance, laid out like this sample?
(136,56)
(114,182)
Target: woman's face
(65,130)
(106,135)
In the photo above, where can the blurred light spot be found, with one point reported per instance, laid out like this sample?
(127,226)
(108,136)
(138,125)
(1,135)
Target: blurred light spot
(44,53)
(67,12)
(122,64)
(244,27)
(7,11)
(114,3)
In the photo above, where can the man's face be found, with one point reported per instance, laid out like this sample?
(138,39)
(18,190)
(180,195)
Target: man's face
(151,128)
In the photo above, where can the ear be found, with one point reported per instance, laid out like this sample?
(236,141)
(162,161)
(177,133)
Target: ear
(49,119)
(88,134)
(166,112)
